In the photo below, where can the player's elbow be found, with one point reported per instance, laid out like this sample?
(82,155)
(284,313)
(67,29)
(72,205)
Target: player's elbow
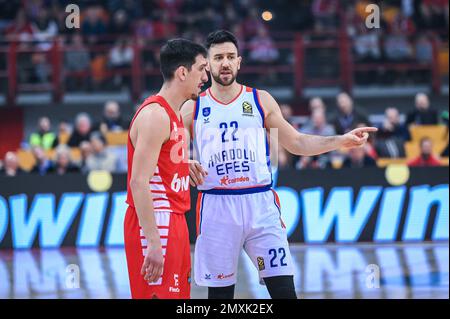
(137,183)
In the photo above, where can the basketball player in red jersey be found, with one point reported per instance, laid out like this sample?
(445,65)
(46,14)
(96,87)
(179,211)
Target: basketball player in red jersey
(155,229)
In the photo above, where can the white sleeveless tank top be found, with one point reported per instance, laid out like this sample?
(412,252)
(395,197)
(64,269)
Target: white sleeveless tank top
(231,143)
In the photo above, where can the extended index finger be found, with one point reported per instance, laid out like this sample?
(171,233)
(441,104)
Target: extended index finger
(366,129)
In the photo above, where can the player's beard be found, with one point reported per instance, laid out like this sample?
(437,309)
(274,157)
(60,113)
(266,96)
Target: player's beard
(217,78)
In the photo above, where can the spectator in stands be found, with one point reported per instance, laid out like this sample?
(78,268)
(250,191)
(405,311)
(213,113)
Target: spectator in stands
(426,157)
(367,45)
(392,126)
(144,30)
(101,158)
(43,164)
(262,48)
(358,158)
(11,165)
(325,12)
(397,47)
(82,132)
(433,14)
(347,117)
(391,135)
(120,24)
(317,125)
(44,30)
(86,151)
(423,114)
(120,57)
(64,129)
(424,50)
(163,26)
(63,162)
(251,23)
(112,120)
(77,59)
(317,103)
(20,29)
(402,24)
(44,137)
(93,26)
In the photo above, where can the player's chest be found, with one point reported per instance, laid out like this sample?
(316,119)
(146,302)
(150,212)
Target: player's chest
(242,115)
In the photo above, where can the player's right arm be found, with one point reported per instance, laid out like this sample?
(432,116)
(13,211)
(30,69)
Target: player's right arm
(196,171)
(150,130)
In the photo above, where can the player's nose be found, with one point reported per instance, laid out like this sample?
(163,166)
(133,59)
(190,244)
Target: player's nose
(204,77)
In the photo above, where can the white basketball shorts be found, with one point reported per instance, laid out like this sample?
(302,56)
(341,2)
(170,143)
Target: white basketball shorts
(226,224)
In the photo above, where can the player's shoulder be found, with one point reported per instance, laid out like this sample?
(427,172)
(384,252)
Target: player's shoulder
(153,113)
(188,106)
(263,94)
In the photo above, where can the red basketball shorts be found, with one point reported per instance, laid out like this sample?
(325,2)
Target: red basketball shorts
(175,280)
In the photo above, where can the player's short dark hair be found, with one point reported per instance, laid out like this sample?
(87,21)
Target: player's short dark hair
(176,53)
(221,36)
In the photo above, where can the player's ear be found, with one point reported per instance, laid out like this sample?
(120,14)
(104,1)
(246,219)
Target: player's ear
(181,73)
(207,68)
(239,59)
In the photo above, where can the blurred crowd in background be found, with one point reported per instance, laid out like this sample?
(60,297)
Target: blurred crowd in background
(109,28)
(52,147)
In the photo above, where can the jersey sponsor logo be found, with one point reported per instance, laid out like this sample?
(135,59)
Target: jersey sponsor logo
(232,161)
(222,276)
(225,181)
(181,183)
(247,109)
(260,262)
(175,287)
(207,276)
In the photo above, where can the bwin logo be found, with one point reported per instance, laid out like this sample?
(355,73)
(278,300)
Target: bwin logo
(181,183)
(348,213)
(46,220)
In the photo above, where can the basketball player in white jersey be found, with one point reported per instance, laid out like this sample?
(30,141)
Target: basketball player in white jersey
(237,208)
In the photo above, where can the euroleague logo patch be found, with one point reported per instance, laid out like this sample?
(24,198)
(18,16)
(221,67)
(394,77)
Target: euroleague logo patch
(261,265)
(247,108)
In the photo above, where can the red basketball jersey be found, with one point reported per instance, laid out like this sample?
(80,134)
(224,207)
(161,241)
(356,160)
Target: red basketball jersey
(169,185)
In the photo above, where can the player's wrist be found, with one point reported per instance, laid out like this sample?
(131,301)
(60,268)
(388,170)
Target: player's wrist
(154,241)
(340,141)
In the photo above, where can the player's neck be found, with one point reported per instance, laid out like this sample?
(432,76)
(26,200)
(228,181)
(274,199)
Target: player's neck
(225,93)
(172,97)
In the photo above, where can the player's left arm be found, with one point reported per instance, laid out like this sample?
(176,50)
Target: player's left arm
(304,144)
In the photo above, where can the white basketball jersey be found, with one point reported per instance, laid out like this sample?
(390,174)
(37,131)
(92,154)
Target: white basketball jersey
(231,143)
